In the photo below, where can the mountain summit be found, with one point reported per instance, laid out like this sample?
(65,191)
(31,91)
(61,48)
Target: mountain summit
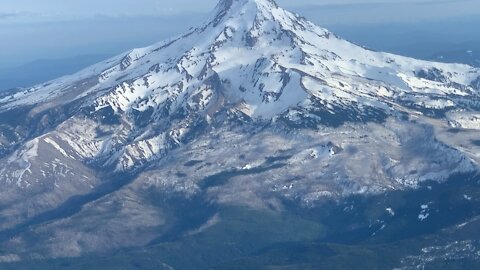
(254,107)
(241,43)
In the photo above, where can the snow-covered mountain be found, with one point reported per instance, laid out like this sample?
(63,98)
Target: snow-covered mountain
(255,106)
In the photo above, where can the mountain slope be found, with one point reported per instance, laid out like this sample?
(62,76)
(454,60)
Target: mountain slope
(256,107)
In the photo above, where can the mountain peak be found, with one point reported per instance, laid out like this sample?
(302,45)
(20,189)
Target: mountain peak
(230,3)
(225,7)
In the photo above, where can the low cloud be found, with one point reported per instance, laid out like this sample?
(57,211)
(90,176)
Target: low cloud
(18,16)
(8,15)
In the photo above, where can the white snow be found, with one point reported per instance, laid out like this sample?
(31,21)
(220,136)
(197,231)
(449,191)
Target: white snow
(390,211)
(466,120)
(424,214)
(423,217)
(56,146)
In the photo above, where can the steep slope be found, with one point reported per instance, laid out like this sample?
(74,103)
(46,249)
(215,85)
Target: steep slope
(254,107)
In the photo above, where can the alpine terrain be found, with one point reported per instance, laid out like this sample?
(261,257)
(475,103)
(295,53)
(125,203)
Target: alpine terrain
(255,140)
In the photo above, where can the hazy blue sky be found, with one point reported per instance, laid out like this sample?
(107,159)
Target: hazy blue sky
(24,10)
(48,9)
(34,29)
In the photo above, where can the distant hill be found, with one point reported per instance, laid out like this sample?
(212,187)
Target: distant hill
(469,55)
(45,70)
